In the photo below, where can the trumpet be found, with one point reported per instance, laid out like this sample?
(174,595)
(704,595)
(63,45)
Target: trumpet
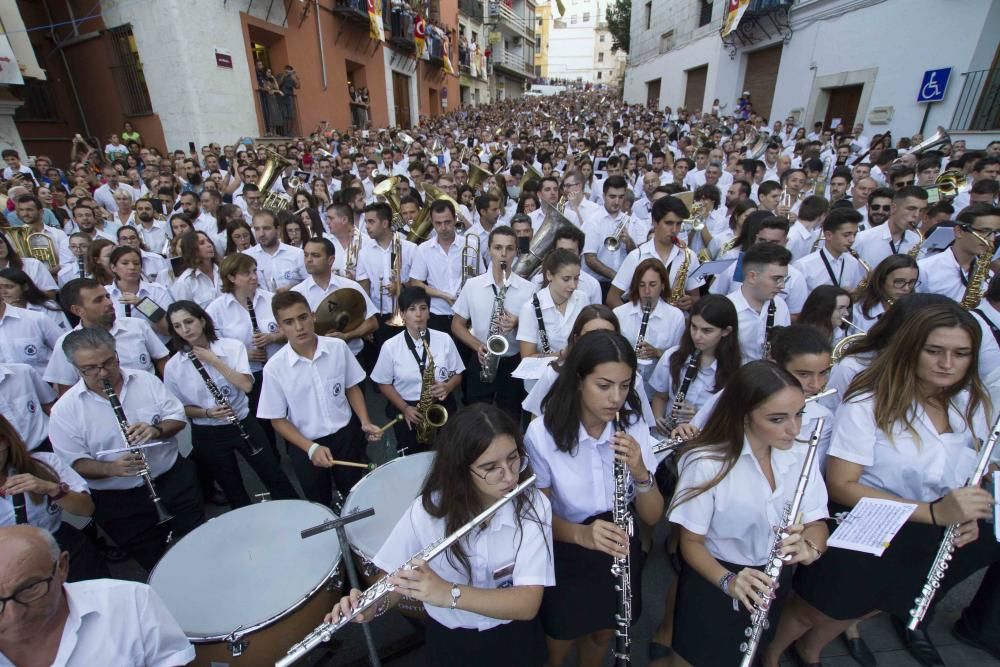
(614,242)
(470,258)
(353,252)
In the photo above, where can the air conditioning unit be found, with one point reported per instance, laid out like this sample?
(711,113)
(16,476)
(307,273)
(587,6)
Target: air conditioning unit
(516,41)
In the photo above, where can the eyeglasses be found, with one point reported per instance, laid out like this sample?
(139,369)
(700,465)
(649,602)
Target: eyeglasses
(985,232)
(878,207)
(495,475)
(900,283)
(31,592)
(90,371)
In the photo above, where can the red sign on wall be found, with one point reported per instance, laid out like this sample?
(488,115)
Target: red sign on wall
(223,59)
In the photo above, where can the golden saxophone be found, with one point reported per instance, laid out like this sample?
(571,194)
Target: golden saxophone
(864,265)
(977,281)
(677,291)
(432,415)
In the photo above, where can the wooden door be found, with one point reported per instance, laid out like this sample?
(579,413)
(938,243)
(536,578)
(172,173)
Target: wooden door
(653,94)
(843,104)
(760,78)
(694,94)
(401,95)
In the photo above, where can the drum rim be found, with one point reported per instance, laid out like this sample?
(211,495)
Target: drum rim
(243,631)
(368,559)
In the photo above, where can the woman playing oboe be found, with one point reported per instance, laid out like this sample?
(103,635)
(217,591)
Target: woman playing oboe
(747,450)
(909,430)
(482,595)
(591,417)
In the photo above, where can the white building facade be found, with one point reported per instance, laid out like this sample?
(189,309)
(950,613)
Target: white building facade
(572,51)
(856,61)
(512,46)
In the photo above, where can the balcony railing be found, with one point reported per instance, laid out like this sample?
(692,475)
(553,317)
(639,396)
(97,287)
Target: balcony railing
(354,11)
(471,8)
(503,12)
(401,29)
(512,63)
(978,107)
(435,49)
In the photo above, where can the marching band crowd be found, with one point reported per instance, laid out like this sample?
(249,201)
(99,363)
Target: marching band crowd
(642,309)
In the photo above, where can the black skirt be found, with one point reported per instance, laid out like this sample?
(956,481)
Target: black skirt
(513,643)
(846,584)
(584,599)
(708,630)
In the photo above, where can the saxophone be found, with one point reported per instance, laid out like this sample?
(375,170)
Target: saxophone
(939,566)
(775,561)
(325,631)
(496,343)
(432,415)
(868,270)
(915,250)
(977,281)
(621,567)
(677,291)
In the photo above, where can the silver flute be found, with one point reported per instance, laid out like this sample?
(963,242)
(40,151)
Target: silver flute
(775,561)
(145,473)
(381,588)
(221,400)
(621,566)
(939,566)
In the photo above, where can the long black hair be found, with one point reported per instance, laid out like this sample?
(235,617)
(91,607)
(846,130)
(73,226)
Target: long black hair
(193,309)
(720,312)
(793,341)
(874,292)
(818,308)
(597,347)
(449,492)
(881,333)
(32,293)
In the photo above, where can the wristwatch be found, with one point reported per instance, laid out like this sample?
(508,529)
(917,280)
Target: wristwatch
(456,593)
(63,490)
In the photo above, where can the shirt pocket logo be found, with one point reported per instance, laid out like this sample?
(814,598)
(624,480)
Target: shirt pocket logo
(272,326)
(30,351)
(337,388)
(32,407)
(143,359)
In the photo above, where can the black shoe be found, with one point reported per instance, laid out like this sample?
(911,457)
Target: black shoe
(962,634)
(858,649)
(918,644)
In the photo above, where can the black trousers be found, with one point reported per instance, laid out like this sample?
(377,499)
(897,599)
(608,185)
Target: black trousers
(406,438)
(506,392)
(345,445)
(129,517)
(254,398)
(440,323)
(85,561)
(216,448)
(369,355)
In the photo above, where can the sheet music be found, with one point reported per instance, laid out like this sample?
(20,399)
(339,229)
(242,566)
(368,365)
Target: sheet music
(939,239)
(711,268)
(871,525)
(531,368)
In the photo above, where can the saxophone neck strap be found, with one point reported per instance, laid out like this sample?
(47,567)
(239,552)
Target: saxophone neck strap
(421,357)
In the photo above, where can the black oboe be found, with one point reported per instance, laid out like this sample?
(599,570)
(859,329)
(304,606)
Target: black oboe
(20,508)
(253,315)
(768,326)
(220,399)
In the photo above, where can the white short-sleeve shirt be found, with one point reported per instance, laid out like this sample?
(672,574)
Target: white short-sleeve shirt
(186,383)
(674,261)
(753,325)
(159,294)
(22,395)
(137,345)
(45,514)
(439,269)
(375,262)
(919,468)
(875,244)
(39,274)
(597,227)
(664,330)
(582,483)
(737,531)
(941,274)
(310,393)
(286,267)
(845,271)
(557,325)
(398,367)
(232,320)
(478,297)
(27,337)
(700,390)
(114,622)
(83,423)
(315,294)
(196,286)
(51,310)
(501,555)
(533,401)
(989,351)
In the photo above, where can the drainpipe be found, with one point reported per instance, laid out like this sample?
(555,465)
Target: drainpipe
(69,72)
(322,54)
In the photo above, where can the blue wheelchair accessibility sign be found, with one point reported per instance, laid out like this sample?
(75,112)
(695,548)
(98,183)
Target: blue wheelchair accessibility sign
(933,85)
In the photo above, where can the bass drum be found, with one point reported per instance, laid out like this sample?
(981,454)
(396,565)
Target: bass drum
(245,586)
(390,489)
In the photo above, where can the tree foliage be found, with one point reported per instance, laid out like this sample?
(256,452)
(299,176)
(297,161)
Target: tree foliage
(619,17)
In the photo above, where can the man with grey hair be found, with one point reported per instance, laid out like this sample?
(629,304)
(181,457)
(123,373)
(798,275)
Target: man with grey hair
(84,430)
(46,621)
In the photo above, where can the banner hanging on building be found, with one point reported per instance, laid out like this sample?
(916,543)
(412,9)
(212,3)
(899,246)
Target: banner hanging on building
(420,34)
(734,12)
(10,72)
(375,30)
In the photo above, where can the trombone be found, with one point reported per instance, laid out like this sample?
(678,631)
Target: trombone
(392,287)
(470,258)
(353,253)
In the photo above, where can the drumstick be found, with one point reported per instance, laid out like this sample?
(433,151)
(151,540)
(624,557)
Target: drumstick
(352,464)
(398,419)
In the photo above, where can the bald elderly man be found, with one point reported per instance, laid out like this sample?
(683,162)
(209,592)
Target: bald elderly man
(45,621)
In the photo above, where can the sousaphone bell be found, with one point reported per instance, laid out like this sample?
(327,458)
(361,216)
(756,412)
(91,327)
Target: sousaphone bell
(341,310)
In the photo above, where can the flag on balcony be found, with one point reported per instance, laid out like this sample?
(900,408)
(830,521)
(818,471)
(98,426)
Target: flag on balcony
(375,30)
(734,12)
(420,34)
(445,54)
(561,7)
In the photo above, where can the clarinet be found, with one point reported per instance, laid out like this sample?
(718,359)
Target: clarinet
(647,309)
(324,632)
(939,566)
(145,473)
(775,561)
(221,400)
(690,371)
(621,567)
(81,267)
(766,352)
(20,508)
(253,316)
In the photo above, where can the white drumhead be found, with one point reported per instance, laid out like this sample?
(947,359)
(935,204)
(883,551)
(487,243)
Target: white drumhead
(246,567)
(390,489)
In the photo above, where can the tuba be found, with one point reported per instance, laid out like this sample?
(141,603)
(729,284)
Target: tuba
(543,241)
(33,244)
(477,176)
(273,166)
(386,189)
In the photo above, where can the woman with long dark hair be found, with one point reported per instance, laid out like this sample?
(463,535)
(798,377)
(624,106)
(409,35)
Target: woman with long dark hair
(910,430)
(893,278)
(239,237)
(99,260)
(130,288)
(214,438)
(747,450)
(712,336)
(17,289)
(594,420)
(36,270)
(483,594)
(200,280)
(47,485)
(549,315)
(826,308)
